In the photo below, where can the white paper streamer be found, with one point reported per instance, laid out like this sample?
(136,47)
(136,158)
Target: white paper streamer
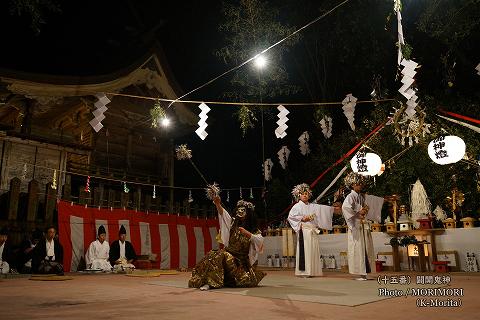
(401,41)
(101,103)
(349,109)
(326,125)
(303,142)
(408,73)
(202,124)
(280,132)
(267,169)
(283,154)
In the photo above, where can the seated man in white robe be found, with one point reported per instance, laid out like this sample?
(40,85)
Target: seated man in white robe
(97,254)
(305,219)
(358,209)
(122,253)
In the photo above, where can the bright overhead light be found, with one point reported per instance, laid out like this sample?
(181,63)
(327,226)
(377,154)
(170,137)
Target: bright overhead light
(260,62)
(165,122)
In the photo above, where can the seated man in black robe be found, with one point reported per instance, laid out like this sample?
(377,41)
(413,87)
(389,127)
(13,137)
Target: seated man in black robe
(122,253)
(6,254)
(48,255)
(26,252)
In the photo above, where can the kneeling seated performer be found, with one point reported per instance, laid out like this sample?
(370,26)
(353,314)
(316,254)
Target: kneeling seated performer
(235,264)
(98,252)
(47,256)
(122,253)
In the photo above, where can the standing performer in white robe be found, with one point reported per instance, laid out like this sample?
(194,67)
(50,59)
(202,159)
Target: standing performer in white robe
(97,254)
(358,208)
(305,219)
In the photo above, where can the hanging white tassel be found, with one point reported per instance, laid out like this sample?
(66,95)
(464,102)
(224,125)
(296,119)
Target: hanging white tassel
(190,198)
(241,195)
(125,188)
(251,193)
(154,194)
(228,196)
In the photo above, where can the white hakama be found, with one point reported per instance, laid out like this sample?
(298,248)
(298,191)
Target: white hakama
(359,235)
(311,239)
(97,256)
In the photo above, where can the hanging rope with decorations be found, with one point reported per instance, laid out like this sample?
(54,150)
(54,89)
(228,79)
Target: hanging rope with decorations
(408,120)
(24,173)
(54,179)
(409,128)
(87,185)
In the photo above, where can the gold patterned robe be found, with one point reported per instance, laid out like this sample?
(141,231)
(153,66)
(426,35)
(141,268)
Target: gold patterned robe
(228,267)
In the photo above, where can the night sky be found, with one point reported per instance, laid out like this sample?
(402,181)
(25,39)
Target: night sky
(97,37)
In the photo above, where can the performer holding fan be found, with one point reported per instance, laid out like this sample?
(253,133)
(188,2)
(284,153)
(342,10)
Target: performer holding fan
(305,219)
(358,208)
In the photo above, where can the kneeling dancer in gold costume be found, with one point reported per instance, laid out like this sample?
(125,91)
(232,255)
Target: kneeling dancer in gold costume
(235,264)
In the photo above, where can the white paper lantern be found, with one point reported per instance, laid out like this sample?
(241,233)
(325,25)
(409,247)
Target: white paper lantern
(446,149)
(367,164)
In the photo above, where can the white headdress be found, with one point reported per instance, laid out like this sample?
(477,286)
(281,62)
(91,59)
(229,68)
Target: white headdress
(300,189)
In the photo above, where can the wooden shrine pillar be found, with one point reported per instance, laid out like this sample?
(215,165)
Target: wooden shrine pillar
(14,198)
(32,206)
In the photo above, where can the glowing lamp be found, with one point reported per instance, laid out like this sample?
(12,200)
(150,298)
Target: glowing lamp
(260,61)
(368,164)
(446,149)
(413,250)
(165,122)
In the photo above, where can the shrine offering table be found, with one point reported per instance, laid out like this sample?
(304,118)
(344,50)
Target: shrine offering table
(422,255)
(460,240)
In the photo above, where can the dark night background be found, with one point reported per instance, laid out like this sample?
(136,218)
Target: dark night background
(97,37)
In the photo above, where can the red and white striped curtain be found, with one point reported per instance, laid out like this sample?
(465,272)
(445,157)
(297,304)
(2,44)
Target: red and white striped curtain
(177,241)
